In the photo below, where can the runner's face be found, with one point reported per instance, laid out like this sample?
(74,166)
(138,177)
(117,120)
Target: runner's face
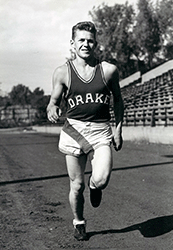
(84,43)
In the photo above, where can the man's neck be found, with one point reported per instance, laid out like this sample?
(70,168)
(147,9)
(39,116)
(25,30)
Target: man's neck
(85,62)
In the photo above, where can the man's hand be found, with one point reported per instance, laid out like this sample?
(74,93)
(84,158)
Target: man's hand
(117,141)
(53,113)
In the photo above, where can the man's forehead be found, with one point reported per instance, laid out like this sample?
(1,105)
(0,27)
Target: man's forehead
(84,34)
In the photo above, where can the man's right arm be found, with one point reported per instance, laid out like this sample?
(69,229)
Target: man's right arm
(59,80)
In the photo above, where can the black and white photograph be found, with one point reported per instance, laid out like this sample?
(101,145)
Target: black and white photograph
(86,124)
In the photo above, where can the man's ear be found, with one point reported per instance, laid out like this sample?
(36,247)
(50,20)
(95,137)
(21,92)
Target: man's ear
(72,42)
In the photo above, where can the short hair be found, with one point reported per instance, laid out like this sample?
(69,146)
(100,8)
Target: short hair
(88,26)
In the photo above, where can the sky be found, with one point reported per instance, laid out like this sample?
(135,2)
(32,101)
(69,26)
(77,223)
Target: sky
(35,38)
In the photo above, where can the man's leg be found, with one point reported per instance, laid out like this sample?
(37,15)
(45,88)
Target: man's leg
(101,170)
(76,168)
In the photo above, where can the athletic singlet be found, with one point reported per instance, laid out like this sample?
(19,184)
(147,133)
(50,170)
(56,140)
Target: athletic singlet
(87,100)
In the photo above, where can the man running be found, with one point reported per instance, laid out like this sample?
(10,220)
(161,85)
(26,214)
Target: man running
(86,84)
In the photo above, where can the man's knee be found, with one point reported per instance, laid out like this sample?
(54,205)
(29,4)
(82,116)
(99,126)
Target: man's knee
(100,182)
(77,186)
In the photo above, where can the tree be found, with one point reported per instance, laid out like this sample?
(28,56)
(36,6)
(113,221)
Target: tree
(37,94)
(134,41)
(147,32)
(164,10)
(169,50)
(114,25)
(20,95)
(4,101)
(41,106)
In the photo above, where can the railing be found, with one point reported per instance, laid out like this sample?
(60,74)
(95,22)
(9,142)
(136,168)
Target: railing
(149,116)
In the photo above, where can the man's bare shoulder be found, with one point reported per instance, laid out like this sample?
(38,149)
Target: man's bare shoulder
(60,75)
(110,70)
(61,71)
(109,66)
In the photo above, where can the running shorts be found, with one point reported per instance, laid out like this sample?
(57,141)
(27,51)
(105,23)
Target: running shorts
(78,137)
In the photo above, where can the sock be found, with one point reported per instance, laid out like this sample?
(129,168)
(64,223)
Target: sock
(76,222)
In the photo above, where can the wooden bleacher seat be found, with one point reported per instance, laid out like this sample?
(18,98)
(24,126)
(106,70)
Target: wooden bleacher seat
(141,100)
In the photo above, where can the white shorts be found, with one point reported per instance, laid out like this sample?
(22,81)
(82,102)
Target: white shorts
(78,137)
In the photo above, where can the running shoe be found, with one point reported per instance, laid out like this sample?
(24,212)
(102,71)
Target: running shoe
(80,232)
(95,195)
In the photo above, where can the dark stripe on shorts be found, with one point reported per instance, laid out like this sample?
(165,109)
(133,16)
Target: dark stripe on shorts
(80,139)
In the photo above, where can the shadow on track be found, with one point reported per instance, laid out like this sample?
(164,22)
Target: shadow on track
(167,156)
(143,166)
(2,183)
(149,229)
(29,143)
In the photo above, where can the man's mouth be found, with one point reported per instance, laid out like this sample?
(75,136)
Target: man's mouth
(85,50)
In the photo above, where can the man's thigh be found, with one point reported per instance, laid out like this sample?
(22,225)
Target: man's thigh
(102,162)
(76,166)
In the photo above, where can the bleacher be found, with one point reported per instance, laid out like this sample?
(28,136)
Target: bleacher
(148,100)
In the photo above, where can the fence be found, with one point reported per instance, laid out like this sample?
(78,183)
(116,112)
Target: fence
(18,116)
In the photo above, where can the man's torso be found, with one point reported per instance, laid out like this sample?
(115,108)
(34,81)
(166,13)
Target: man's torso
(88,100)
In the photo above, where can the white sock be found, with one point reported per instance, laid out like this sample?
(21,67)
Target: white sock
(76,222)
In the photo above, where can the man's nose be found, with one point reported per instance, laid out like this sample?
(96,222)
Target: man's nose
(86,42)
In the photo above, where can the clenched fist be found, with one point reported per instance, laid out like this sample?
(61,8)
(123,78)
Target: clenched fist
(117,142)
(53,113)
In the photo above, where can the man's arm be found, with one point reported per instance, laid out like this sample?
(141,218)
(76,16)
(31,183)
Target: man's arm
(118,110)
(112,78)
(59,81)
(117,99)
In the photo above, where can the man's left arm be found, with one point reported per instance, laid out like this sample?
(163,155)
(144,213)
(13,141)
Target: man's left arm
(118,107)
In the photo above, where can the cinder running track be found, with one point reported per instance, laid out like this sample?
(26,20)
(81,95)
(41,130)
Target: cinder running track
(136,212)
